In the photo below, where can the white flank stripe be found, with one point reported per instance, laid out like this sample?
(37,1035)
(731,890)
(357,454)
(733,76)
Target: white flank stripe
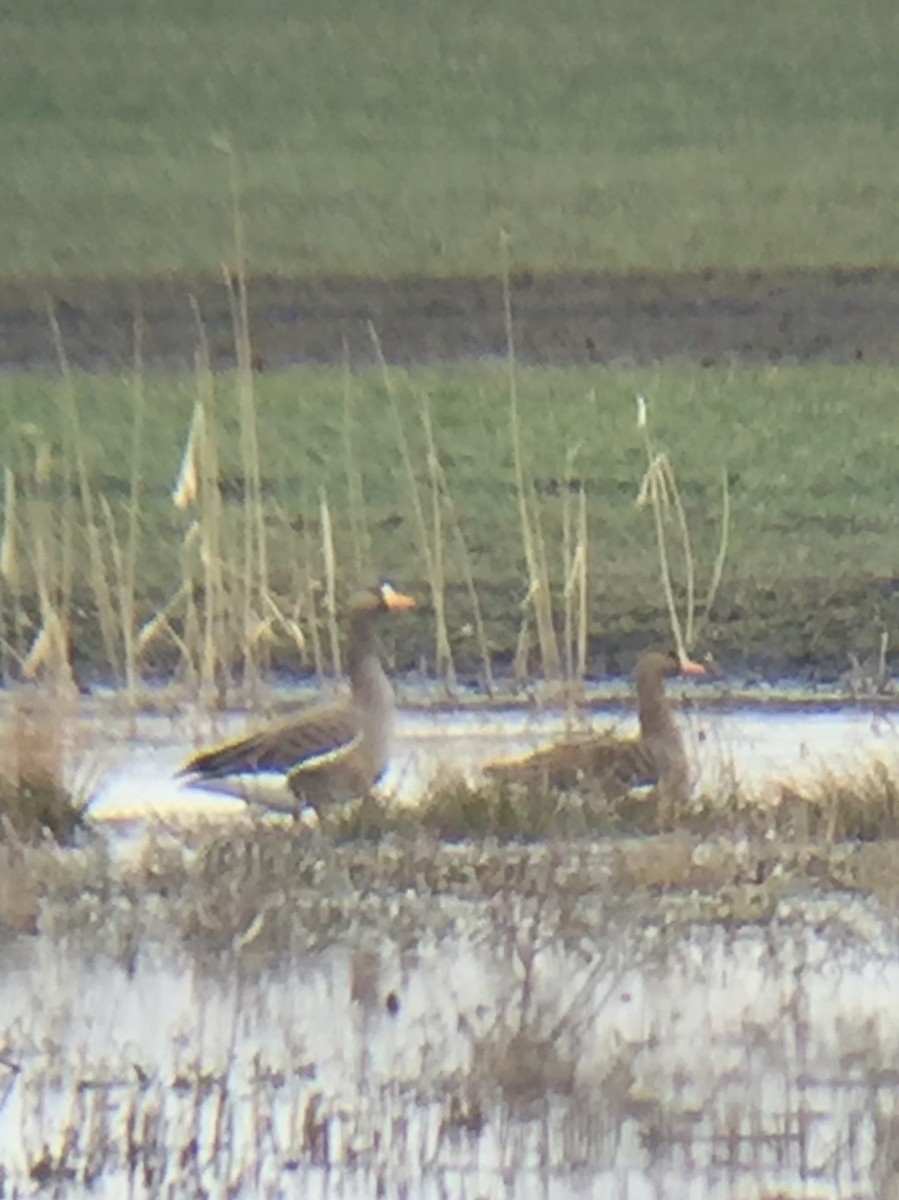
(328,757)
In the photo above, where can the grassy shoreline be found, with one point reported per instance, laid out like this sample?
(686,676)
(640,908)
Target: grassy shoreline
(811,565)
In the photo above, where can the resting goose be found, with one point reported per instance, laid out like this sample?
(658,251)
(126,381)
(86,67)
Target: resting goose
(656,756)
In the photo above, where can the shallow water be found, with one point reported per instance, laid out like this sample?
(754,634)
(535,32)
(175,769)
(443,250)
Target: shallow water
(756,747)
(691,1066)
(701,1063)
(649,1062)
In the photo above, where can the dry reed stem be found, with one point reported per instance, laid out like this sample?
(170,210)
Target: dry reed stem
(255,544)
(289,625)
(674,499)
(522,643)
(129,573)
(99,581)
(654,488)
(359,531)
(567,563)
(9,546)
(159,622)
(443,652)
(40,533)
(330,564)
(10,576)
(186,488)
(115,550)
(659,487)
(882,656)
(49,652)
(65,537)
(255,574)
(217,636)
(435,475)
(468,575)
(574,570)
(531,533)
(721,555)
(313,587)
(583,578)
(218,620)
(663,492)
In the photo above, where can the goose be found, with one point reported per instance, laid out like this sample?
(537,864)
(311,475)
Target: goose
(327,754)
(655,756)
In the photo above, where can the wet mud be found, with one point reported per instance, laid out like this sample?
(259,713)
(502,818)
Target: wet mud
(712,317)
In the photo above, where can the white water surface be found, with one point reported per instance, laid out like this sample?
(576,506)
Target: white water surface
(759,748)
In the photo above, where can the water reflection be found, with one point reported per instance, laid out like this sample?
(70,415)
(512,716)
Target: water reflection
(627,1063)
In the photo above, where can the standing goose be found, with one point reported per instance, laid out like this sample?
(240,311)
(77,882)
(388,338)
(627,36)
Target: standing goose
(656,756)
(329,753)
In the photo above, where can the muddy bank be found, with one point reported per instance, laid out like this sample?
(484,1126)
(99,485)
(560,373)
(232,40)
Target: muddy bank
(802,634)
(834,316)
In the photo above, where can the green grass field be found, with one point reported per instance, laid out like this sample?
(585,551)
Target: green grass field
(402,137)
(814,520)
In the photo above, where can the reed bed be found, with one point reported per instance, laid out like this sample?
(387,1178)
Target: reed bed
(216,623)
(753,599)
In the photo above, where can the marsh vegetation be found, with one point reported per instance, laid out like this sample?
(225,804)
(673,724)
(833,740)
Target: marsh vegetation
(230,1010)
(503,990)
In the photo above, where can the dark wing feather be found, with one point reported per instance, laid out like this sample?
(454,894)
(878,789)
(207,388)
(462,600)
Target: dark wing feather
(611,761)
(281,747)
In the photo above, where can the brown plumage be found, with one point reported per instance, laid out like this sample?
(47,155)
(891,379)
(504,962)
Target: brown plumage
(656,756)
(328,753)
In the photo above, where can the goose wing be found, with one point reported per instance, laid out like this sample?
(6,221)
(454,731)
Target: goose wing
(320,732)
(601,757)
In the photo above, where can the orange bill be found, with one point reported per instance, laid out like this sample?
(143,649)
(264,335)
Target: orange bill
(689,667)
(396,601)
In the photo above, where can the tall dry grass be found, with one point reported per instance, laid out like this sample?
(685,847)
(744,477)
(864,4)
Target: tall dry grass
(36,566)
(533,543)
(223,612)
(98,567)
(128,575)
(429,533)
(360,534)
(575,574)
(42,745)
(659,491)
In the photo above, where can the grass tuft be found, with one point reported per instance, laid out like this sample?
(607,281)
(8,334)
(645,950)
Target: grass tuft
(525,1065)
(35,750)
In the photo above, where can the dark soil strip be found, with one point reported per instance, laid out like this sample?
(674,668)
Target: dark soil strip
(833,316)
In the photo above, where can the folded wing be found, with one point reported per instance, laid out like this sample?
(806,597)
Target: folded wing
(322,734)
